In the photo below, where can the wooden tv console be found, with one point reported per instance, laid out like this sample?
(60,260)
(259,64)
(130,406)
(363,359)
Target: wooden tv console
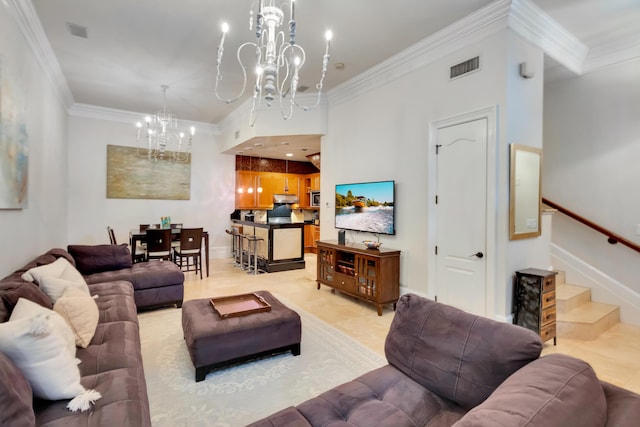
(371,275)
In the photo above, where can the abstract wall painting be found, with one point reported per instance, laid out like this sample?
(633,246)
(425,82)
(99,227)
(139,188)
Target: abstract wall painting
(132,176)
(14,153)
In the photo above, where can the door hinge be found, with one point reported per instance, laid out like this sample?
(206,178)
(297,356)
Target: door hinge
(436,251)
(438,149)
(436,199)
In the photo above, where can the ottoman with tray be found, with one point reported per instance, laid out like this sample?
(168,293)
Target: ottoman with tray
(253,325)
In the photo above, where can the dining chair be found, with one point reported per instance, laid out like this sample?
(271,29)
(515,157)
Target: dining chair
(190,249)
(144,227)
(158,244)
(175,238)
(112,235)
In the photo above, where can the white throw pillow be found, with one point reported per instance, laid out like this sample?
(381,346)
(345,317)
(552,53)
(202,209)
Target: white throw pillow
(55,277)
(25,309)
(34,345)
(80,311)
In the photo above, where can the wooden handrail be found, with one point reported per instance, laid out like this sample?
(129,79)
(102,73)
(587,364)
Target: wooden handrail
(612,237)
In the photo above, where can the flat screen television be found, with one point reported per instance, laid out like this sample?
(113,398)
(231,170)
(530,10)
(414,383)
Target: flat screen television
(366,206)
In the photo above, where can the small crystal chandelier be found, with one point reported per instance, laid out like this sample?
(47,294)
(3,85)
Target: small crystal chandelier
(278,61)
(163,138)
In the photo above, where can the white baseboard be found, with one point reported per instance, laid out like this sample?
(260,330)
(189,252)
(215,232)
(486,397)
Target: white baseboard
(604,288)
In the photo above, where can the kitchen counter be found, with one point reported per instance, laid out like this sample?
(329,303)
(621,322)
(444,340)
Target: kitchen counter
(283,245)
(264,224)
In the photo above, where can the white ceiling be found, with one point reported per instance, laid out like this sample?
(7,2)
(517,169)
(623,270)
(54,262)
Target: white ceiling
(135,46)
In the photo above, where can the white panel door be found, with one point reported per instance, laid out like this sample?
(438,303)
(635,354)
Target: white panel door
(461,190)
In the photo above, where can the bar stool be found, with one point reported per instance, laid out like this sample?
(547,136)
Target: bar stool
(236,246)
(252,252)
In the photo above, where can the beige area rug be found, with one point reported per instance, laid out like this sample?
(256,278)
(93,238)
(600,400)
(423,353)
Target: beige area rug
(239,395)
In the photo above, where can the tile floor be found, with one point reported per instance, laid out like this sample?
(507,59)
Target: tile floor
(614,355)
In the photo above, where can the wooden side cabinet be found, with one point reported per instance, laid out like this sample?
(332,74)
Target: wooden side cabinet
(534,302)
(367,274)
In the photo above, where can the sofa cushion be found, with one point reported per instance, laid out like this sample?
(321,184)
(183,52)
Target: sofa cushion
(25,309)
(143,275)
(382,397)
(11,292)
(457,355)
(124,402)
(80,311)
(92,259)
(288,417)
(34,345)
(61,253)
(114,345)
(54,278)
(623,406)
(553,391)
(15,396)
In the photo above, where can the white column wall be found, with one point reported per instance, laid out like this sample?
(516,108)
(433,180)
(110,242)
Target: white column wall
(384,134)
(29,232)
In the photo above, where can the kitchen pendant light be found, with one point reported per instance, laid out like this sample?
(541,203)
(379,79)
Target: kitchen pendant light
(250,189)
(258,185)
(286,178)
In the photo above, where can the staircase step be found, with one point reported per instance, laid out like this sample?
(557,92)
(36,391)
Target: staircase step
(587,321)
(570,297)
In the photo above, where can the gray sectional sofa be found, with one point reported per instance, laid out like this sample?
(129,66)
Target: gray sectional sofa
(111,363)
(451,368)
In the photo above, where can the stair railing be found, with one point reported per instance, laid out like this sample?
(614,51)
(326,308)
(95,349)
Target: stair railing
(612,237)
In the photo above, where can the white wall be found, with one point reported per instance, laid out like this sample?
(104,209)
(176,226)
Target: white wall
(523,125)
(592,146)
(90,212)
(383,134)
(592,150)
(42,225)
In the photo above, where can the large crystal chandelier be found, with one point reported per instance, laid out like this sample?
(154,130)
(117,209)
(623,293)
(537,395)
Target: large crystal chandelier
(278,60)
(163,138)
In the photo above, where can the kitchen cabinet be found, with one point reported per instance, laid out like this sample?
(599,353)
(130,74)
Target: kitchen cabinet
(371,275)
(534,302)
(311,236)
(244,199)
(271,183)
(311,183)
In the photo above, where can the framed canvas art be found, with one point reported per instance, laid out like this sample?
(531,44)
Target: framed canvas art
(134,176)
(14,153)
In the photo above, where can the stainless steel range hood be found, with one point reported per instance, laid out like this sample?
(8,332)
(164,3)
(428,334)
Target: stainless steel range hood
(286,198)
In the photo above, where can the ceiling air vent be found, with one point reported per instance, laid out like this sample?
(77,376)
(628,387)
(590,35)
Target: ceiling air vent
(464,67)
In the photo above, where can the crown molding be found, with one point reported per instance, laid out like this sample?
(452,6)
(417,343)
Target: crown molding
(604,55)
(129,117)
(521,16)
(27,20)
(535,26)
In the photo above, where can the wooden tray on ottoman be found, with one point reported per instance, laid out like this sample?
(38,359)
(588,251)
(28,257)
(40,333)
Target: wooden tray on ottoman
(239,305)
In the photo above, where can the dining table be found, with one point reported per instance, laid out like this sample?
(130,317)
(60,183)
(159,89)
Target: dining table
(136,236)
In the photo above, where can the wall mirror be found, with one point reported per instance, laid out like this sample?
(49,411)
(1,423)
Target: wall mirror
(524,195)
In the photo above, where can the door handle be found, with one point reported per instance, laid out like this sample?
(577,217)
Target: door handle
(480,255)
